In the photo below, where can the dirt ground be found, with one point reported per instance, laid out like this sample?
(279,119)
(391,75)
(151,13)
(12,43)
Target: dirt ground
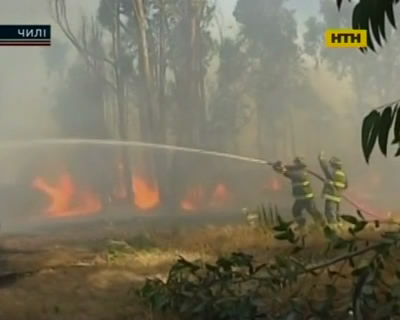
(91,273)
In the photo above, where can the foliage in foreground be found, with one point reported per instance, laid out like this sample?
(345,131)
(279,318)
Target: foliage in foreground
(237,287)
(377,126)
(371,15)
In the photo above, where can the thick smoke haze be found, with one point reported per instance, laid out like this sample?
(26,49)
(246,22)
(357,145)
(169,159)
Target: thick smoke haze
(291,91)
(25,86)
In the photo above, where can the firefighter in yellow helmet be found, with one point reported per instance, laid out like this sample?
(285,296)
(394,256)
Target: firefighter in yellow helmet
(301,190)
(335,184)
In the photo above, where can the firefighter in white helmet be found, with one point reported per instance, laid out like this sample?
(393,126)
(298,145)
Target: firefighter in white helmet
(335,184)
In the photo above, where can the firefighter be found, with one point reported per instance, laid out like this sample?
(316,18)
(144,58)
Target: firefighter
(301,190)
(335,184)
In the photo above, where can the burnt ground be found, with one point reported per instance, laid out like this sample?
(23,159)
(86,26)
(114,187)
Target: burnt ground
(86,271)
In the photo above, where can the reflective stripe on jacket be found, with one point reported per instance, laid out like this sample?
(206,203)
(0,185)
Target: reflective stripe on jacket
(301,186)
(334,187)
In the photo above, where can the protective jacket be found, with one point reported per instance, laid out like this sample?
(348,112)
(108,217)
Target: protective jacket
(301,185)
(336,182)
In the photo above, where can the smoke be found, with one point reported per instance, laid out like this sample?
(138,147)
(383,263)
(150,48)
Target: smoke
(311,98)
(25,86)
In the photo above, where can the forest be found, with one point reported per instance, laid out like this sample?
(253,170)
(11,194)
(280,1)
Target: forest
(171,72)
(263,85)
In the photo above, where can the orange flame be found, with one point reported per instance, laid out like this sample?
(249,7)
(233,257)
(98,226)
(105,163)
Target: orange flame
(221,196)
(147,195)
(274,184)
(193,198)
(66,200)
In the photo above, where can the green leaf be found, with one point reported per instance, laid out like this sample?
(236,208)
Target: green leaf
(183,264)
(360,215)
(384,129)
(360,226)
(281,228)
(389,13)
(380,15)
(340,244)
(330,233)
(370,15)
(160,302)
(281,262)
(211,268)
(377,19)
(364,22)
(260,267)
(349,219)
(201,307)
(287,235)
(370,132)
(224,263)
(282,223)
(397,152)
(396,127)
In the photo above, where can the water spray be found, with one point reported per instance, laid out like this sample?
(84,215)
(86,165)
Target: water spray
(108,142)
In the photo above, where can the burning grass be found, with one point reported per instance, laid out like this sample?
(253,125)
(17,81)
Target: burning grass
(115,262)
(67,198)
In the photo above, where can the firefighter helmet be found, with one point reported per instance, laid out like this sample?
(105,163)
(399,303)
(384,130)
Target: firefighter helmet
(299,161)
(335,161)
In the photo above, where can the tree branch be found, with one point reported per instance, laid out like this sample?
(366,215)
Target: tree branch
(59,13)
(325,264)
(61,17)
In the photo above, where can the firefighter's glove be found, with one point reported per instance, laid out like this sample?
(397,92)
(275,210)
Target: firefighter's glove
(277,166)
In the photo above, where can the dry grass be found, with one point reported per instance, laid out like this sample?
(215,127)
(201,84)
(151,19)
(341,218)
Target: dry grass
(102,291)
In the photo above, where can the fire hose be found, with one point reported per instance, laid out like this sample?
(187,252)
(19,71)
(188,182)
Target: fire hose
(346,198)
(29,143)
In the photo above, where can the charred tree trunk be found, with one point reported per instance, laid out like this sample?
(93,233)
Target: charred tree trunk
(121,105)
(149,128)
(91,58)
(191,90)
(162,160)
(153,114)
